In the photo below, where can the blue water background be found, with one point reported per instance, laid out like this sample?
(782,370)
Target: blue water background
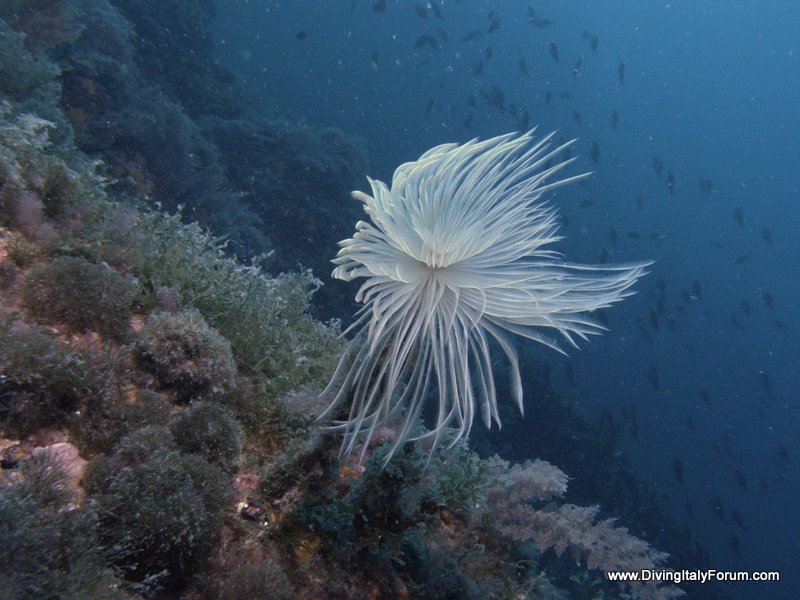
(712,90)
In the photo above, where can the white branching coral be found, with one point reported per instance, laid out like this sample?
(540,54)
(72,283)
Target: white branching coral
(515,509)
(455,256)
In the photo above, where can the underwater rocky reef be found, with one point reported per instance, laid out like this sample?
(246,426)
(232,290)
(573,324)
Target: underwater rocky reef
(160,358)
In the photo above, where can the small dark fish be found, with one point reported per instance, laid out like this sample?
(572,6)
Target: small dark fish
(429,106)
(685,296)
(645,332)
(705,396)
(734,320)
(690,425)
(633,235)
(494,22)
(629,416)
(467,121)
(379,6)
(612,237)
(426,40)
(594,152)
(660,306)
(443,35)
(726,449)
(670,182)
(586,204)
(639,201)
(554,52)
(766,297)
(614,119)
(373,59)
(706,186)
(745,306)
(546,378)
(735,545)
(697,289)
(607,424)
(652,377)
(621,73)
(569,373)
(780,325)
(657,236)
(741,480)
(576,68)
(717,449)
(661,287)
(738,216)
(593,43)
(602,316)
(523,121)
(741,259)
(603,258)
(300,35)
(783,455)
(477,68)
(653,319)
(716,508)
(547,97)
(566,95)
(424,10)
(766,235)
(576,116)
(522,64)
(473,35)
(737,518)
(494,97)
(766,384)
(677,469)
(658,166)
(537,22)
(488,53)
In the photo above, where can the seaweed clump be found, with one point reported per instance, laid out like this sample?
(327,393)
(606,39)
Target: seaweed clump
(83,296)
(49,547)
(210,431)
(274,340)
(186,354)
(166,513)
(43,382)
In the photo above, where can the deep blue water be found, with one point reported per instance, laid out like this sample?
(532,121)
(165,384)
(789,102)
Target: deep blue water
(711,90)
